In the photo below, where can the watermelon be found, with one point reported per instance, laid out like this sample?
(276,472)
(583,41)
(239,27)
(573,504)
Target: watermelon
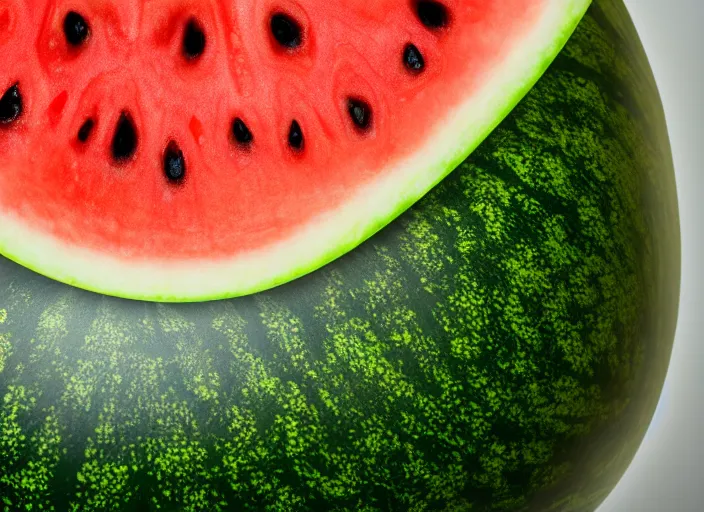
(499,346)
(177,150)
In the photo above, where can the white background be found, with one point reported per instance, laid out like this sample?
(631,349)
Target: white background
(667,474)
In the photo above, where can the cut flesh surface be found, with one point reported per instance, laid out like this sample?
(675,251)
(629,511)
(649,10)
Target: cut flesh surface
(180,150)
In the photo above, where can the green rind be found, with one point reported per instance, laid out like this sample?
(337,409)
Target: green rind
(69,267)
(474,355)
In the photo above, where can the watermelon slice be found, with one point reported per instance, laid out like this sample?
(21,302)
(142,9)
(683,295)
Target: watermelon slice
(177,150)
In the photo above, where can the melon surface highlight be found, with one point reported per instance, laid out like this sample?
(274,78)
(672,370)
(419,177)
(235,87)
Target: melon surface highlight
(239,218)
(500,346)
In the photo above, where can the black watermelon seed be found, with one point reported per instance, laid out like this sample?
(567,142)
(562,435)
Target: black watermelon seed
(295,136)
(432,14)
(241,133)
(193,40)
(124,142)
(413,59)
(11,105)
(85,130)
(286,31)
(360,112)
(174,163)
(76,29)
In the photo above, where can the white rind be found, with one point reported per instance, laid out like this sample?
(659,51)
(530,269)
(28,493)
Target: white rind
(330,235)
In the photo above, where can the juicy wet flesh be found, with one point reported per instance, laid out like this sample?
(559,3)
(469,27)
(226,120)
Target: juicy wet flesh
(244,121)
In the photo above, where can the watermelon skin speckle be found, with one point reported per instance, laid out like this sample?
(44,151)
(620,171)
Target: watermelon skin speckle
(501,346)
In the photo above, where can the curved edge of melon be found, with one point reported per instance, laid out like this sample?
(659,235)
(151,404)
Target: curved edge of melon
(324,239)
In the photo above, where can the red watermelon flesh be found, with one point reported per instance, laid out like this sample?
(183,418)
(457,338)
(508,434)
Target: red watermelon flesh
(188,150)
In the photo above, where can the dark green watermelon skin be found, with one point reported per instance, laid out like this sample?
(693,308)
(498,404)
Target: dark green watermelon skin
(501,346)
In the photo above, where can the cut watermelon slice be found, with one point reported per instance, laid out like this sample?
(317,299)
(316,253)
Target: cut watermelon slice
(177,150)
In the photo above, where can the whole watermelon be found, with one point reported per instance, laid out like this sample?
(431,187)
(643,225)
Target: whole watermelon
(501,346)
